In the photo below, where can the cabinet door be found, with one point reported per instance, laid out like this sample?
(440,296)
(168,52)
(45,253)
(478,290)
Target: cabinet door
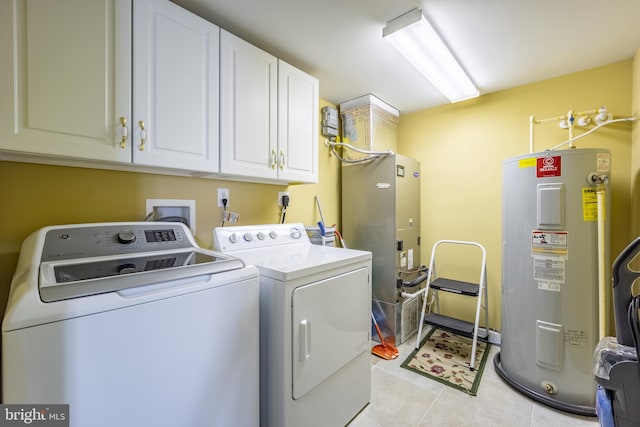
(297,125)
(175,83)
(65,77)
(248,109)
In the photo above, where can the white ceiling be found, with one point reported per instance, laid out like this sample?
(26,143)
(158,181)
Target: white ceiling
(501,43)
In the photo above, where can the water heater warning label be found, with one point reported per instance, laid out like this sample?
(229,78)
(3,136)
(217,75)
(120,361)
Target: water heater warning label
(550,272)
(576,338)
(548,166)
(603,161)
(549,243)
(549,250)
(590,204)
(546,286)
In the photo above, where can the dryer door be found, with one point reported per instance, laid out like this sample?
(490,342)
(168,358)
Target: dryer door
(330,321)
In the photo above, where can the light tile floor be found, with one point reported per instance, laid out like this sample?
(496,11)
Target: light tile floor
(401,398)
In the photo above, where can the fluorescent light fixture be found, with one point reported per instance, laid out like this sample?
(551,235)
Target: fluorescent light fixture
(414,38)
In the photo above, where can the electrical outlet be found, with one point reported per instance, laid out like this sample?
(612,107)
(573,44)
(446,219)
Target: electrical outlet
(223,193)
(283,193)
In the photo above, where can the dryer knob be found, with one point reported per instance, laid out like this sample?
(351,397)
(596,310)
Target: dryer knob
(248,237)
(295,233)
(233,237)
(260,235)
(273,234)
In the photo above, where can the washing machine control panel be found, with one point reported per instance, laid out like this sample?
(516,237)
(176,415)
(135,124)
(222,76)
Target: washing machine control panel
(113,239)
(258,236)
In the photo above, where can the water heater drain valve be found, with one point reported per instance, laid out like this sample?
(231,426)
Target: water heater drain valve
(549,387)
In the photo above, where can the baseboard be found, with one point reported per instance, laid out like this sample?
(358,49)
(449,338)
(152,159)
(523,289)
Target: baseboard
(494,336)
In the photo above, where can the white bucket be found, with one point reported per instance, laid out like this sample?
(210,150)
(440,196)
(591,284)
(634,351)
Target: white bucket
(316,238)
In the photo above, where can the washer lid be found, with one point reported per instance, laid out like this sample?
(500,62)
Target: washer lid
(65,279)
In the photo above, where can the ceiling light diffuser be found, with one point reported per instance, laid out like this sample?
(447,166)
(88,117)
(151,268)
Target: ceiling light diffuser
(418,42)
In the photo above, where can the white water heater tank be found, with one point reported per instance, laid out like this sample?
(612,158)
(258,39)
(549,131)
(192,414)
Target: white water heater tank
(550,274)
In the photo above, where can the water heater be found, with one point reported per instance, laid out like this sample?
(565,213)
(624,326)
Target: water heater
(551,273)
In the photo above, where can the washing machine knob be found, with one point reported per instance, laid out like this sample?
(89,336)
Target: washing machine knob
(273,234)
(260,235)
(126,236)
(248,237)
(233,237)
(126,269)
(295,233)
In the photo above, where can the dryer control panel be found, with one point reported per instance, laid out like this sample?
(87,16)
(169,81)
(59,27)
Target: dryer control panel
(258,236)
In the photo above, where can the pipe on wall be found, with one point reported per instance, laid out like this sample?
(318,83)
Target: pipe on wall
(602,306)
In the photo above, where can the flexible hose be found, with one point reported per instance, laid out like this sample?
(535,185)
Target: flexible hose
(570,140)
(359,150)
(370,154)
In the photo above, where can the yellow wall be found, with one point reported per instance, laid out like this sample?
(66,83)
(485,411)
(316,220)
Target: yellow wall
(35,196)
(635,149)
(461,148)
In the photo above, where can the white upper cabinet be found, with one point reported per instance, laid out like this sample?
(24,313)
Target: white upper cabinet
(175,88)
(248,109)
(268,116)
(65,70)
(297,125)
(145,85)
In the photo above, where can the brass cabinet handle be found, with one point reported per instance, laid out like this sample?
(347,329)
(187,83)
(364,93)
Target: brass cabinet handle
(143,135)
(124,133)
(273,159)
(281,160)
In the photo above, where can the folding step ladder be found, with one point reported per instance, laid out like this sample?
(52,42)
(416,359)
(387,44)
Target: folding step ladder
(477,290)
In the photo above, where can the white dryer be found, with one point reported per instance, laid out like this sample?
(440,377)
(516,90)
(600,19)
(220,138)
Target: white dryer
(315,331)
(132,324)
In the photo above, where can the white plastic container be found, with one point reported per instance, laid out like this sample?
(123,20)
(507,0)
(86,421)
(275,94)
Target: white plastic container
(316,237)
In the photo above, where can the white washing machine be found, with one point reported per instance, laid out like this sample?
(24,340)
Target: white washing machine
(132,324)
(315,330)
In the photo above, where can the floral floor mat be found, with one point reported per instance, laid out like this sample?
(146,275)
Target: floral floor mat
(445,357)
